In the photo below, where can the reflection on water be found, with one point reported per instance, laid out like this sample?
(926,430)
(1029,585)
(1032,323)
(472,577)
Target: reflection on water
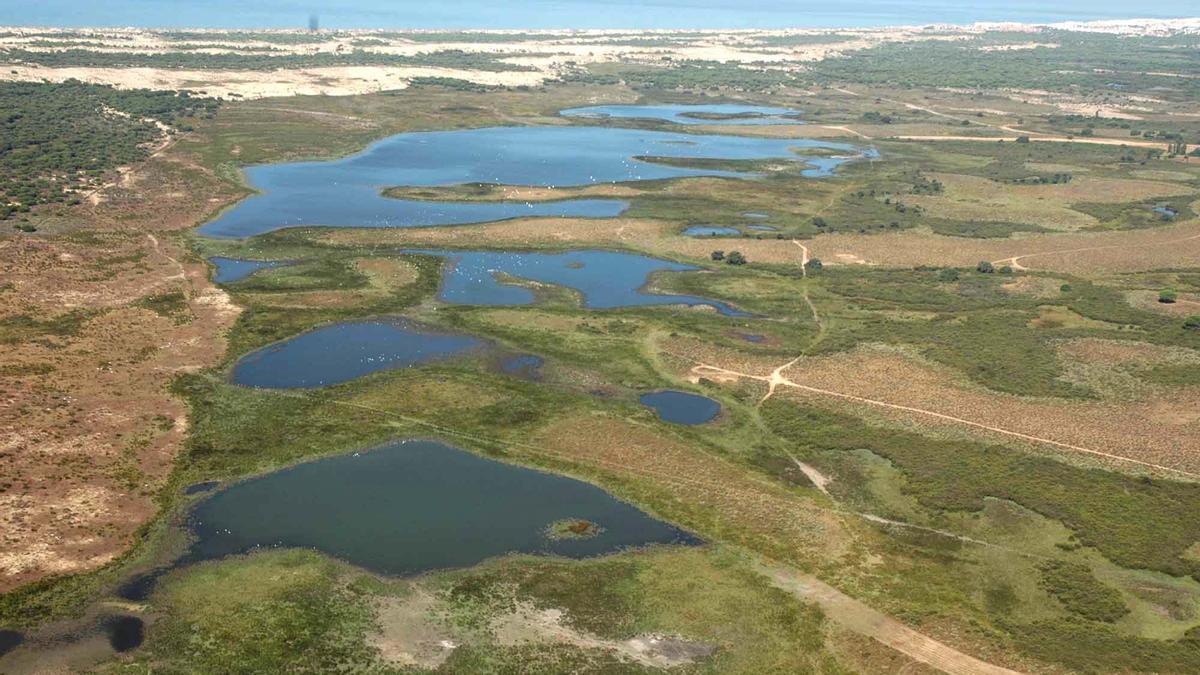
(605,279)
(345,351)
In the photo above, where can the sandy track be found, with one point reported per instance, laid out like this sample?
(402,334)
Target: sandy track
(776,379)
(861,618)
(1038,139)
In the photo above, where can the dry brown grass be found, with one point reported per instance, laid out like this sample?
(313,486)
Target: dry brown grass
(1084,254)
(736,505)
(974,198)
(88,429)
(1118,352)
(1161,430)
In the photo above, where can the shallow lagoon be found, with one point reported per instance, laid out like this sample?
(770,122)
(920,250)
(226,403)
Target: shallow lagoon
(236,269)
(345,351)
(415,506)
(605,279)
(728,113)
(348,192)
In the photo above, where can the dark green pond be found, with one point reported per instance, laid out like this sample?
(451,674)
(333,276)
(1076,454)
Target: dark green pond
(413,506)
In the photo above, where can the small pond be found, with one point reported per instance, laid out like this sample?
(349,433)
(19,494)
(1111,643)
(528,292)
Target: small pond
(680,407)
(345,351)
(605,279)
(235,269)
(704,113)
(413,506)
(710,231)
(124,632)
(526,366)
(762,228)
(10,640)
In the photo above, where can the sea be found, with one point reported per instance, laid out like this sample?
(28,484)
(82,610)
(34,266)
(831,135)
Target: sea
(570,14)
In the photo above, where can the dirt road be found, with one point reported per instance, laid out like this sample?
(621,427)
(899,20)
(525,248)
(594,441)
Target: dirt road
(860,618)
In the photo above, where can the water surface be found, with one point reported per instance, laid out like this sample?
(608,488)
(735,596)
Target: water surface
(413,506)
(731,113)
(575,14)
(236,269)
(709,231)
(605,279)
(681,407)
(348,192)
(345,351)
(527,366)
(124,632)
(10,640)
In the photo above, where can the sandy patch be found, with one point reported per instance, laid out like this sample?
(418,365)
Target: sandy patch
(527,624)
(411,632)
(253,84)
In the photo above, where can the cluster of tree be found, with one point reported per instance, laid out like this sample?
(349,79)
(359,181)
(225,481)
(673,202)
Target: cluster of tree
(1052,179)
(1091,61)
(925,186)
(872,117)
(453,83)
(56,139)
(731,258)
(446,58)
(693,75)
(282,38)
(985,267)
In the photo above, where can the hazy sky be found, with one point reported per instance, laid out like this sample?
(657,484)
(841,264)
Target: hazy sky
(568,13)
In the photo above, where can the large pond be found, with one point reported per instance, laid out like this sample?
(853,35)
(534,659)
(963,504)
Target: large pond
(348,192)
(604,279)
(344,351)
(413,506)
(710,113)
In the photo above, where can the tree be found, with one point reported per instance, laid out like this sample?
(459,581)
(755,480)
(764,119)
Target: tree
(985,267)
(948,274)
(819,222)
(1022,139)
(1168,295)
(735,258)
(1192,322)
(813,265)
(1006,270)
(718,255)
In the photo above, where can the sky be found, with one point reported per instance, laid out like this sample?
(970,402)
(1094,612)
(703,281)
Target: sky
(578,14)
